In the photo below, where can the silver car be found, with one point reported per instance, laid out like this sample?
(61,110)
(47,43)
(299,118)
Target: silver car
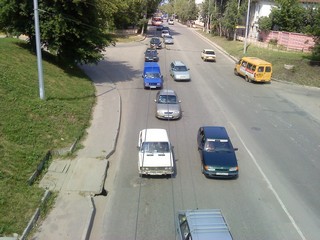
(179,71)
(167,105)
(168,39)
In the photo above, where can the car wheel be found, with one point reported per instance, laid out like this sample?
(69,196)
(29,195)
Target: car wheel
(236,72)
(246,78)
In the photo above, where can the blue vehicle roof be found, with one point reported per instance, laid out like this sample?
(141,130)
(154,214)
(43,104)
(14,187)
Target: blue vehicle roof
(215,132)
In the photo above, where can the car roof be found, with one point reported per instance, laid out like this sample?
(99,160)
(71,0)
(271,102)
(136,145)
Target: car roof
(178,63)
(167,92)
(208,50)
(215,132)
(256,60)
(154,135)
(207,224)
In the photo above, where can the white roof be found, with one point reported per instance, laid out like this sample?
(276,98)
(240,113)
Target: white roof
(154,135)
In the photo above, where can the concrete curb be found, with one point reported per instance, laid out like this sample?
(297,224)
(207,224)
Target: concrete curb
(35,216)
(118,127)
(87,230)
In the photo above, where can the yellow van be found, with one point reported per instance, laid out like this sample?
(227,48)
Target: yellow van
(254,69)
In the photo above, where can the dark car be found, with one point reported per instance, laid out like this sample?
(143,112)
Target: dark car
(155,42)
(151,55)
(218,158)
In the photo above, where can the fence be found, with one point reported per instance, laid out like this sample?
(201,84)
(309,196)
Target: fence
(288,40)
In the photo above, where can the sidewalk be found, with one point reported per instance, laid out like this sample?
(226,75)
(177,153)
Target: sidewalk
(79,179)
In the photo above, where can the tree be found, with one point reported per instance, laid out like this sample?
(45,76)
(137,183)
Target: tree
(73,30)
(186,10)
(265,23)
(288,16)
(231,17)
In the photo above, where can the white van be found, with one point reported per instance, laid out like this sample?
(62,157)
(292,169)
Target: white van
(155,152)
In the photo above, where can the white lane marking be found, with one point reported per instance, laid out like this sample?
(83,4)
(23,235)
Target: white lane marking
(271,187)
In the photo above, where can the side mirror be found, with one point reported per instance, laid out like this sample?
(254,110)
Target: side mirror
(235,149)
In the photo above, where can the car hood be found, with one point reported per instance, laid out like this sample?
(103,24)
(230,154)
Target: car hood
(220,159)
(168,107)
(152,80)
(155,159)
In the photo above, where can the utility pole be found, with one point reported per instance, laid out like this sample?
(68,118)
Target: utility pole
(38,47)
(247,29)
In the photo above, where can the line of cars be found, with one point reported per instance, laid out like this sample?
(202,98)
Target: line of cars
(217,154)
(156,156)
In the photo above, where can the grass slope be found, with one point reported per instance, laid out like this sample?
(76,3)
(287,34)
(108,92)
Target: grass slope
(29,126)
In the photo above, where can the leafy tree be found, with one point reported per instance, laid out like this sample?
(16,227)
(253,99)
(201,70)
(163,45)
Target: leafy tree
(186,9)
(265,23)
(73,30)
(288,16)
(231,17)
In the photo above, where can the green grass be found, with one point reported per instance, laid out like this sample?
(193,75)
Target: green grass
(29,126)
(303,73)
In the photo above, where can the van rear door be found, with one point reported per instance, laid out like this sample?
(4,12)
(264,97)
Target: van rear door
(263,73)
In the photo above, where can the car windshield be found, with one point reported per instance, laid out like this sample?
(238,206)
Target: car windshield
(155,40)
(210,52)
(152,75)
(180,68)
(217,145)
(151,147)
(168,36)
(167,99)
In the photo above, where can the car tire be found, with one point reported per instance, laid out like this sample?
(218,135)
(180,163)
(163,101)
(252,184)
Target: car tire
(246,78)
(236,72)
(202,169)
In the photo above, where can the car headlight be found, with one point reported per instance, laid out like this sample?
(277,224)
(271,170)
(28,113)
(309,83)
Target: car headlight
(209,168)
(176,112)
(232,169)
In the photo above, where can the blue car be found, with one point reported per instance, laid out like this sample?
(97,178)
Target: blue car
(218,158)
(152,77)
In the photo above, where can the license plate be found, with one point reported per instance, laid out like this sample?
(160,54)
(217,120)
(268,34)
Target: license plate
(222,174)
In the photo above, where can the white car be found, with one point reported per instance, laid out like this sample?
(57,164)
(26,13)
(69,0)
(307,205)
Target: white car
(208,55)
(170,21)
(155,152)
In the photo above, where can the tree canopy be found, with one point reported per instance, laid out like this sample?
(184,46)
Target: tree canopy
(76,31)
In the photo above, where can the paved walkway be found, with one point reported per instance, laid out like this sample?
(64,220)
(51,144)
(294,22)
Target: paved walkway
(79,179)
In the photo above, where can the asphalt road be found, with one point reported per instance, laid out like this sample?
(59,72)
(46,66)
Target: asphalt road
(277,193)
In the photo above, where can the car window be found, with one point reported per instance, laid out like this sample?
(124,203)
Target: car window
(184,227)
(152,75)
(260,69)
(268,69)
(244,63)
(167,99)
(215,145)
(180,68)
(151,147)
(210,52)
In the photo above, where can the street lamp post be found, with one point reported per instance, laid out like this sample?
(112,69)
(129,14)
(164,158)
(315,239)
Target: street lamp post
(247,29)
(38,47)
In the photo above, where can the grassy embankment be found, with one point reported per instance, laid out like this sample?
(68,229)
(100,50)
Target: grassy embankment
(29,126)
(303,73)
